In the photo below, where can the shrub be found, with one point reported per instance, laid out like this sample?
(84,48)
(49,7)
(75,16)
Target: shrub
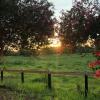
(11,53)
(25,52)
(95,65)
(29,52)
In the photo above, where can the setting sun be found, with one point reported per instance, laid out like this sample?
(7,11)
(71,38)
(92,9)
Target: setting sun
(55,42)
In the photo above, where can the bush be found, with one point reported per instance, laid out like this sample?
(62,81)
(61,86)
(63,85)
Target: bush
(26,52)
(11,53)
(84,50)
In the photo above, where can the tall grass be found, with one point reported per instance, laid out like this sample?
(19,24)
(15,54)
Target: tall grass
(35,86)
(71,62)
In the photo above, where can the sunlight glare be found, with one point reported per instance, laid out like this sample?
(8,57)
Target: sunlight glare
(55,42)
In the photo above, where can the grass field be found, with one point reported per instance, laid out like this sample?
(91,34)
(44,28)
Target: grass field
(66,62)
(35,86)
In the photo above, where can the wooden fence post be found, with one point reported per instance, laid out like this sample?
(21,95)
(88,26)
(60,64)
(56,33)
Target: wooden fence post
(22,77)
(86,85)
(49,81)
(1,75)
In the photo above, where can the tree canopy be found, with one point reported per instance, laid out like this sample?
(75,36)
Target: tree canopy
(81,22)
(23,22)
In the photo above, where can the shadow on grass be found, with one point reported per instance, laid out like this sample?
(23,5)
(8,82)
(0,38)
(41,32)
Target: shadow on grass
(43,80)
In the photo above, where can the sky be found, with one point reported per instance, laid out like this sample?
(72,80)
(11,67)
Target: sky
(61,4)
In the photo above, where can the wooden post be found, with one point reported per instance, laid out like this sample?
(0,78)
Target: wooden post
(49,81)
(86,85)
(1,75)
(22,77)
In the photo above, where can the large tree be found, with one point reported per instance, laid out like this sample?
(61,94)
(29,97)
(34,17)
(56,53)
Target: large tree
(25,22)
(80,22)
(34,21)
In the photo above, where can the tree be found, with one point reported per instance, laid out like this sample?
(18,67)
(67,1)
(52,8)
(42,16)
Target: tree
(80,22)
(35,21)
(6,20)
(25,22)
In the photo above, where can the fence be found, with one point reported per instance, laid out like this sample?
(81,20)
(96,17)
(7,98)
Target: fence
(50,74)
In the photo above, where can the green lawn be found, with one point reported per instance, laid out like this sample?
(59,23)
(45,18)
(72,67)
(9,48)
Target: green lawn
(35,86)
